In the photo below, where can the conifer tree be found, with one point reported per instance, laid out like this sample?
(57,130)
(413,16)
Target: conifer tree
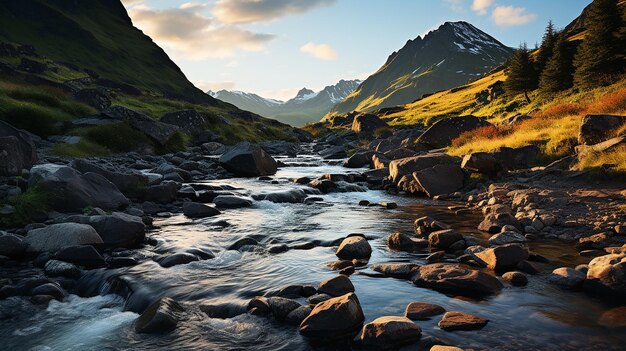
(521,76)
(600,57)
(557,74)
(547,46)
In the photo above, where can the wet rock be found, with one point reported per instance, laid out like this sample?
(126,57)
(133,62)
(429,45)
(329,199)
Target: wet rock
(177,259)
(494,222)
(445,348)
(461,321)
(260,304)
(117,229)
(12,246)
(613,318)
(196,210)
(41,299)
(515,278)
(276,249)
(71,192)
(422,310)
(607,274)
(407,166)
(451,278)
(296,316)
(57,236)
(54,268)
(504,256)
(567,277)
(444,238)
(231,201)
(17,150)
(242,243)
(224,310)
(444,131)
(528,267)
(292,196)
(317,298)
(280,307)
(119,262)
(337,286)
(334,319)
(354,246)
(334,153)
(163,193)
(405,242)
(359,160)
(50,289)
(248,160)
(435,256)
(396,270)
(82,255)
(439,180)
(161,317)
(389,333)
(508,237)
(129,183)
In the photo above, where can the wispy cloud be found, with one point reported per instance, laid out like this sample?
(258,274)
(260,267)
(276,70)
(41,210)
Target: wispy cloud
(189,33)
(248,11)
(319,51)
(481,6)
(512,16)
(455,5)
(215,86)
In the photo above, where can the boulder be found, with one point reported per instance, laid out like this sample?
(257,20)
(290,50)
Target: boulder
(196,210)
(55,268)
(17,150)
(81,255)
(248,160)
(515,278)
(161,317)
(396,270)
(334,152)
(504,256)
(598,128)
(507,237)
(177,259)
(443,239)
(57,236)
(231,201)
(12,246)
(354,246)
(130,183)
(282,307)
(191,121)
(452,278)
(444,131)
(50,289)
(366,124)
(117,229)
(334,319)
(70,191)
(280,147)
(567,277)
(337,286)
(292,196)
(409,165)
(404,242)
(163,193)
(160,132)
(296,316)
(439,180)
(94,97)
(389,333)
(494,222)
(359,160)
(461,321)
(422,310)
(481,162)
(607,274)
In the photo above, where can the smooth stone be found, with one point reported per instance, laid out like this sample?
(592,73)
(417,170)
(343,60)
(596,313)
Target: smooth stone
(452,321)
(422,310)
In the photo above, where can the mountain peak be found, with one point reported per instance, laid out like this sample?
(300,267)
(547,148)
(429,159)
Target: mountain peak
(305,94)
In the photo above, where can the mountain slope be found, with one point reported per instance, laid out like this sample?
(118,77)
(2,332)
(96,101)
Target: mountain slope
(99,35)
(447,57)
(306,107)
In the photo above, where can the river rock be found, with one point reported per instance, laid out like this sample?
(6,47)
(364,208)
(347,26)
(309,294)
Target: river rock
(404,242)
(494,222)
(130,183)
(359,160)
(444,238)
(17,150)
(177,259)
(461,321)
(613,318)
(281,307)
(444,131)
(163,193)
(422,310)
(407,166)
(504,256)
(445,348)
(231,201)
(296,316)
(389,333)
(452,278)
(515,278)
(50,289)
(292,196)
(196,210)
(55,268)
(354,246)
(334,152)
(117,229)
(439,180)
(11,245)
(57,236)
(508,237)
(243,243)
(161,317)
(82,255)
(248,160)
(334,319)
(607,274)
(69,191)
(567,277)
(481,162)
(396,270)
(337,286)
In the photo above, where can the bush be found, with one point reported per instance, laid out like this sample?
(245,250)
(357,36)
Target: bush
(27,205)
(562,110)
(84,148)
(611,103)
(486,132)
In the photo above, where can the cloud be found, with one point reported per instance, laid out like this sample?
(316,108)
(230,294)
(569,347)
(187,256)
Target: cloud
(248,11)
(455,5)
(511,16)
(481,6)
(191,34)
(320,51)
(128,3)
(214,86)
(281,94)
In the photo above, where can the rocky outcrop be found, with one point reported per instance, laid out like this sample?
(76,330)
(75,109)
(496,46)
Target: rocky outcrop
(248,160)
(160,132)
(161,317)
(129,183)
(116,230)
(191,121)
(439,180)
(406,166)
(598,128)
(366,124)
(70,191)
(607,275)
(97,98)
(17,150)
(334,319)
(444,131)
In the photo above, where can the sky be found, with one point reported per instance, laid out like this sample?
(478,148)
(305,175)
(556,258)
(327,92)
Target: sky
(276,47)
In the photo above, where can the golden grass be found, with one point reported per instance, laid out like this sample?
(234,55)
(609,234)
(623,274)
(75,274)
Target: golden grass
(613,160)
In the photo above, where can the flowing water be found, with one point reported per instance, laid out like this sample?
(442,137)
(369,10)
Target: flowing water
(536,317)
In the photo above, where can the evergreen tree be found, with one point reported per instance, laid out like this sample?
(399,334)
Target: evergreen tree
(600,56)
(521,76)
(557,75)
(547,46)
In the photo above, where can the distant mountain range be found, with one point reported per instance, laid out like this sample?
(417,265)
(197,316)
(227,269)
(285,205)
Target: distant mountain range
(447,57)
(306,107)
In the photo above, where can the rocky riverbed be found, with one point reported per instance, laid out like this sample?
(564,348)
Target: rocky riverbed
(231,248)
